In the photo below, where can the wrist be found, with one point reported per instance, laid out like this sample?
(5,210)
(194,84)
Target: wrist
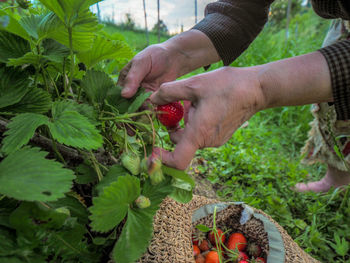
(191,50)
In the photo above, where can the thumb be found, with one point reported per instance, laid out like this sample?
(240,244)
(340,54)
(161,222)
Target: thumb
(173,91)
(183,154)
(132,75)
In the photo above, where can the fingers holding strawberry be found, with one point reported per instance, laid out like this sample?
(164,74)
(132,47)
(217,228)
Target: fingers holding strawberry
(221,101)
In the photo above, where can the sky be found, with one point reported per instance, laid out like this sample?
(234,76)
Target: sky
(174,13)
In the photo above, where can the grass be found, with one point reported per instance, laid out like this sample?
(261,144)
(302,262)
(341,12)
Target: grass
(261,163)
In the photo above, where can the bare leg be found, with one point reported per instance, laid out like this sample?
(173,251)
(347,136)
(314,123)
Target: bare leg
(333,178)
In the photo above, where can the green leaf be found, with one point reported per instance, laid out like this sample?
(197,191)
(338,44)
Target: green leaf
(20,130)
(102,49)
(69,10)
(203,228)
(31,24)
(110,208)
(73,129)
(181,195)
(28,58)
(35,100)
(13,86)
(7,242)
(114,172)
(12,46)
(135,237)
(85,174)
(75,207)
(27,175)
(139,100)
(54,51)
(97,85)
(14,26)
(178,174)
(138,230)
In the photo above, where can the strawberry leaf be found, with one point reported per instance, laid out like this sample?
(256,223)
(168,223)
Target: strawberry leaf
(97,85)
(102,49)
(35,100)
(110,208)
(139,100)
(138,229)
(27,175)
(20,130)
(73,129)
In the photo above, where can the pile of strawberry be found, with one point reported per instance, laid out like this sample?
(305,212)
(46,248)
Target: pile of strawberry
(231,247)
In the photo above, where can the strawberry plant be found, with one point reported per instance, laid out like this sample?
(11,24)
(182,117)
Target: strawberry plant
(76,182)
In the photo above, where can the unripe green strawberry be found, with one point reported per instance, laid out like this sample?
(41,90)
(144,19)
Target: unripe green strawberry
(131,162)
(157,177)
(144,166)
(142,202)
(25,4)
(154,163)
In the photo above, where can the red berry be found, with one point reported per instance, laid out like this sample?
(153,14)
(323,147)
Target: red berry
(242,256)
(200,259)
(243,261)
(346,149)
(254,250)
(219,235)
(237,240)
(204,245)
(212,257)
(170,114)
(196,250)
(260,260)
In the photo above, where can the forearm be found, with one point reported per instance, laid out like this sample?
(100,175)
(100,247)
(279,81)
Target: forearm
(191,50)
(296,81)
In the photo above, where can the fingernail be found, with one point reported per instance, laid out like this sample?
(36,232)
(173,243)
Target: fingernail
(125,91)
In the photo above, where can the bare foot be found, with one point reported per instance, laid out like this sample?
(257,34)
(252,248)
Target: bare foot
(333,178)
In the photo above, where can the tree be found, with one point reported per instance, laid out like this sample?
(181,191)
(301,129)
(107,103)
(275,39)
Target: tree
(129,23)
(146,27)
(279,10)
(163,29)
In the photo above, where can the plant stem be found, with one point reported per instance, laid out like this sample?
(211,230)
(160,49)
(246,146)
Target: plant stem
(45,80)
(54,147)
(64,78)
(53,83)
(96,165)
(71,73)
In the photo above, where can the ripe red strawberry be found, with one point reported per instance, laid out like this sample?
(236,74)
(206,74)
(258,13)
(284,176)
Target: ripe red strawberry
(243,261)
(212,257)
(237,240)
(260,260)
(200,259)
(346,149)
(197,237)
(242,256)
(220,234)
(204,245)
(196,250)
(170,114)
(254,250)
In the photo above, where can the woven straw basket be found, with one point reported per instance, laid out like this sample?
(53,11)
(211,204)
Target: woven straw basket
(174,223)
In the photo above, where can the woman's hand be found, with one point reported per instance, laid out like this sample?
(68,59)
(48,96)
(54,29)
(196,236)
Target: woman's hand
(221,101)
(165,62)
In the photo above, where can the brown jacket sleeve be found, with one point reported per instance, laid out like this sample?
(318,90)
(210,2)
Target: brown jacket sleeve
(233,24)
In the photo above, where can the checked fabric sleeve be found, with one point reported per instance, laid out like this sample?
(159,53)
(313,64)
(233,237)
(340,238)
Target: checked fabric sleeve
(232,25)
(338,59)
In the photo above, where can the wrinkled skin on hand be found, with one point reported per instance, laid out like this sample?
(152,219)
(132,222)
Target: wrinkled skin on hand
(220,102)
(148,69)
